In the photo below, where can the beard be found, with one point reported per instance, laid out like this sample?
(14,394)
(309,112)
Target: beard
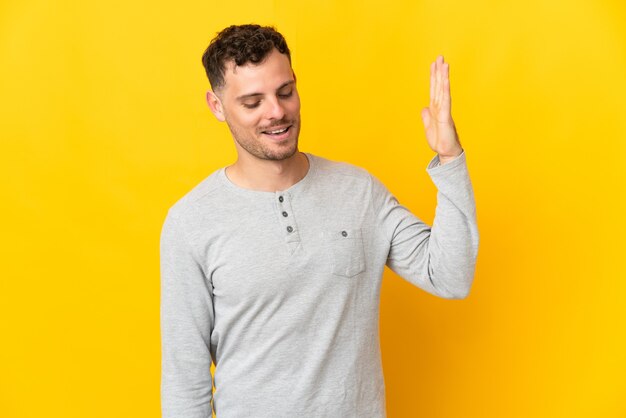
(266,150)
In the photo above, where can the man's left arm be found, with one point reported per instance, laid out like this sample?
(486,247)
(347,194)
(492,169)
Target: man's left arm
(439,259)
(454,235)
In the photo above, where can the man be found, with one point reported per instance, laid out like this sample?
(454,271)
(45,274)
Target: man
(271,267)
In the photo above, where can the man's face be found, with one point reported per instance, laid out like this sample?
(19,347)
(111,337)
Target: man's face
(261,106)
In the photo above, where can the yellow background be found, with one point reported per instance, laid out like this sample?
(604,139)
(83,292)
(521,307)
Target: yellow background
(104,125)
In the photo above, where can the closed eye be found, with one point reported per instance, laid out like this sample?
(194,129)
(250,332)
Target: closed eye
(251,105)
(257,103)
(285,95)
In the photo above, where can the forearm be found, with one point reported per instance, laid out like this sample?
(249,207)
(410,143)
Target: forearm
(453,242)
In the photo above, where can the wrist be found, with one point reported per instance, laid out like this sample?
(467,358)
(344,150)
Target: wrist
(443,159)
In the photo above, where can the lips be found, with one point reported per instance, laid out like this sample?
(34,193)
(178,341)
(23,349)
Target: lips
(278,133)
(276,130)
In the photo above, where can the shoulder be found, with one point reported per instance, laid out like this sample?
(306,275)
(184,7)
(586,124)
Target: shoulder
(200,196)
(340,170)
(352,178)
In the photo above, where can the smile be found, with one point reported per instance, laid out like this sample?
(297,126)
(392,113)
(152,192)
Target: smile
(278,133)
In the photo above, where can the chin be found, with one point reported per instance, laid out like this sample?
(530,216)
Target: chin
(283,155)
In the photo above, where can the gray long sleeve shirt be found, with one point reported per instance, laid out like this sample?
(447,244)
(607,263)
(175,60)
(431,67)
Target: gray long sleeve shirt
(280,290)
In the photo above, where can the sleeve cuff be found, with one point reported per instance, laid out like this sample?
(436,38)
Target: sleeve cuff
(435,166)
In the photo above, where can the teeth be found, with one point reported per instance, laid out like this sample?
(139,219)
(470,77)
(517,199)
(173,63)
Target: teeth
(277,132)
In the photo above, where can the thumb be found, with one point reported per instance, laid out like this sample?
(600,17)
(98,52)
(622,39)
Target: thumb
(425,113)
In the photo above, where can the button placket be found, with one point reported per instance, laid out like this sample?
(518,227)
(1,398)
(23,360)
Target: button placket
(287,220)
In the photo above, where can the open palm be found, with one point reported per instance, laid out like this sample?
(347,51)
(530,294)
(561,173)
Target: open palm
(438,124)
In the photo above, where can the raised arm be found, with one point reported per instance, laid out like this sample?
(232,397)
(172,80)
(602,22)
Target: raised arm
(439,259)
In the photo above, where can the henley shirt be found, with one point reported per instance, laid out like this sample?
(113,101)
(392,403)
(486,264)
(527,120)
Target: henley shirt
(281,290)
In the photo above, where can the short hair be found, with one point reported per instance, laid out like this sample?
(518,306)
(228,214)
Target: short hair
(242,44)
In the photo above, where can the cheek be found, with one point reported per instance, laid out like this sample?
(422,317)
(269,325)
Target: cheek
(246,120)
(294,106)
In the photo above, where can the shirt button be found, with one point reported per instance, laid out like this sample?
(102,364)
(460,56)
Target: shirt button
(344,233)
(289,229)
(280,198)
(285,214)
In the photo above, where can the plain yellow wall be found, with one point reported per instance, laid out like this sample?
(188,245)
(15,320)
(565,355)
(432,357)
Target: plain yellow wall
(104,126)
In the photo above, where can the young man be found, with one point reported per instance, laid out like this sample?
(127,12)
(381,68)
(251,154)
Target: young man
(271,267)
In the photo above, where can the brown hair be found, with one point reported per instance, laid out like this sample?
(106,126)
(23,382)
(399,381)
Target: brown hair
(242,44)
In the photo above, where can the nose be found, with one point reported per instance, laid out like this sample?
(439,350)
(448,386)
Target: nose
(275,110)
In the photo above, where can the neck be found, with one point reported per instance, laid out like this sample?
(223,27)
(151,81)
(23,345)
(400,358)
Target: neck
(268,175)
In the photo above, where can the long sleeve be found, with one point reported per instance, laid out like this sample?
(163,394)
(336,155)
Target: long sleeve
(187,319)
(440,259)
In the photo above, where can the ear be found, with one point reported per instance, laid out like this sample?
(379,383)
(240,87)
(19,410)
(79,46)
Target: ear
(215,104)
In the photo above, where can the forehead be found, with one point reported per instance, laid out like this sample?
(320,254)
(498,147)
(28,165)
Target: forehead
(265,76)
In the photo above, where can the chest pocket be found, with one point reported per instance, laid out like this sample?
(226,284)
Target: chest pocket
(348,254)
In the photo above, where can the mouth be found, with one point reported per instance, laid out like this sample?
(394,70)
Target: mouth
(278,133)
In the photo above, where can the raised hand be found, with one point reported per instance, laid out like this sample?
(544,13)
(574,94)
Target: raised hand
(437,117)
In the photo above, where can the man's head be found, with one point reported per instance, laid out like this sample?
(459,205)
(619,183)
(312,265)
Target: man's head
(254,90)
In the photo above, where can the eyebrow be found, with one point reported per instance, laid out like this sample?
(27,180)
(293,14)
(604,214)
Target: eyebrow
(245,96)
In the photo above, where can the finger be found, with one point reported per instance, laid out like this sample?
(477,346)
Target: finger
(446,88)
(425,113)
(438,87)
